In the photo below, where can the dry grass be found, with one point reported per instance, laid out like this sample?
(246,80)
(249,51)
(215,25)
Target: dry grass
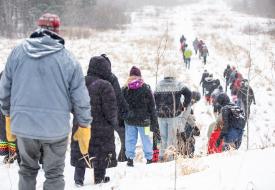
(145,42)
(188,169)
(198,20)
(254,29)
(190,166)
(77,32)
(221,26)
(269,89)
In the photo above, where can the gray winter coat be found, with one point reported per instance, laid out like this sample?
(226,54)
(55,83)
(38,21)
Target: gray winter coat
(41,84)
(168,97)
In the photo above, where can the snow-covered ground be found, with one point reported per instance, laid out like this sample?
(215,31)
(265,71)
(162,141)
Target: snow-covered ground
(225,33)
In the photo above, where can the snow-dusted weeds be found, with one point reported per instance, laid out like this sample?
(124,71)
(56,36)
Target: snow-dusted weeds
(225,33)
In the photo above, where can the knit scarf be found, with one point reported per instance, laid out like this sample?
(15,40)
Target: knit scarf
(134,82)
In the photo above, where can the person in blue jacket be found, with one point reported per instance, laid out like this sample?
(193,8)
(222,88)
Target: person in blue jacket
(41,83)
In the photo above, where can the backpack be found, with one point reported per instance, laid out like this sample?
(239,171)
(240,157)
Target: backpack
(238,114)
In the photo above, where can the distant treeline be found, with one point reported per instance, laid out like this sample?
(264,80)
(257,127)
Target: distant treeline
(264,8)
(18,17)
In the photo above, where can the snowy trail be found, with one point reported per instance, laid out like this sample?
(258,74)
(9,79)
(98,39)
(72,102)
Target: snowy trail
(137,45)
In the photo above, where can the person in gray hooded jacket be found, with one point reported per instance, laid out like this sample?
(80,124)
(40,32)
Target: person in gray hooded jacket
(172,113)
(41,84)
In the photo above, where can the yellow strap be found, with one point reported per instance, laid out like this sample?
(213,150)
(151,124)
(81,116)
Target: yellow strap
(147,130)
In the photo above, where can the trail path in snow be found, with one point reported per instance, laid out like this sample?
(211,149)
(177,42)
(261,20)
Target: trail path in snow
(137,45)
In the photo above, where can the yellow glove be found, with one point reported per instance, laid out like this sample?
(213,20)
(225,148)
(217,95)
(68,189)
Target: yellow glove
(10,137)
(83,135)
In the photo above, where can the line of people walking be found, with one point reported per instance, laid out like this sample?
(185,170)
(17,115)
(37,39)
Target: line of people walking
(42,84)
(231,115)
(199,48)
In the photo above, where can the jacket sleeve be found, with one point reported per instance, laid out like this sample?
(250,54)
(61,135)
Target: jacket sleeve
(109,104)
(6,84)
(202,77)
(196,131)
(225,118)
(152,110)
(187,96)
(239,93)
(121,102)
(253,96)
(80,97)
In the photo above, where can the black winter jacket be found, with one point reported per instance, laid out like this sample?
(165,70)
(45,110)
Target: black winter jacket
(104,112)
(230,121)
(227,72)
(203,77)
(211,85)
(142,109)
(122,105)
(242,95)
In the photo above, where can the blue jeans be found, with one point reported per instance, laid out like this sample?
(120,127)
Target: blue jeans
(204,59)
(131,137)
(187,63)
(233,139)
(168,132)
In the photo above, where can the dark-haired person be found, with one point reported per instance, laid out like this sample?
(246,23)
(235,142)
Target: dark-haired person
(104,112)
(233,124)
(245,97)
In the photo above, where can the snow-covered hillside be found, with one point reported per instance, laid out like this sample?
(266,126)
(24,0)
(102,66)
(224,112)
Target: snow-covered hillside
(230,42)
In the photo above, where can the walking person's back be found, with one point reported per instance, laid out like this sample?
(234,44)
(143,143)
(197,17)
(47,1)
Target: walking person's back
(168,94)
(204,53)
(187,55)
(226,74)
(205,74)
(196,45)
(233,124)
(245,97)
(41,84)
(141,118)
(104,111)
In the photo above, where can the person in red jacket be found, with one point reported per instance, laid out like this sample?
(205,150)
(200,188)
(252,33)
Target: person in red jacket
(212,148)
(236,85)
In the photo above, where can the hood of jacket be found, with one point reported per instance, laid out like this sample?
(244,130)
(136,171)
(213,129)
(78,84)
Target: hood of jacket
(42,43)
(209,79)
(99,66)
(223,99)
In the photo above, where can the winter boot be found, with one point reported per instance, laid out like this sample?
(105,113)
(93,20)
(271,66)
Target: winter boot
(122,157)
(105,179)
(155,156)
(149,161)
(79,183)
(130,162)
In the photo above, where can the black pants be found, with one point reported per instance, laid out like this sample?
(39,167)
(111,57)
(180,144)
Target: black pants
(121,134)
(204,59)
(79,174)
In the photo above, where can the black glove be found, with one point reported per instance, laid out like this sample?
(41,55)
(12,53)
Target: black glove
(182,136)
(157,135)
(219,141)
(183,108)
(121,123)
